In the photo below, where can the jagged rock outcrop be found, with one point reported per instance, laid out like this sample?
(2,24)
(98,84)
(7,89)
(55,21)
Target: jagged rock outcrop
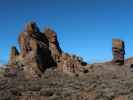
(66,63)
(53,44)
(14,53)
(69,64)
(41,50)
(118,50)
(35,51)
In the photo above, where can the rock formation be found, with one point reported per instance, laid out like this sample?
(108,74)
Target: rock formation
(69,64)
(66,63)
(53,44)
(13,55)
(35,51)
(41,50)
(118,50)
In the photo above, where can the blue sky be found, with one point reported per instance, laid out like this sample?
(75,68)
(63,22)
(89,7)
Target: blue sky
(84,27)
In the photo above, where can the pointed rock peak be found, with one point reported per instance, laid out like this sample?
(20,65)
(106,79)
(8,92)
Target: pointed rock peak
(31,27)
(53,44)
(14,51)
(13,55)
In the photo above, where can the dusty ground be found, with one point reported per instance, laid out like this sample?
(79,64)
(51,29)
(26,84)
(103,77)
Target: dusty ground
(95,82)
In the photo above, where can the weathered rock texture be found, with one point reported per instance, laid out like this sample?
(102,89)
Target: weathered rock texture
(66,63)
(53,44)
(13,55)
(118,50)
(35,51)
(69,64)
(41,50)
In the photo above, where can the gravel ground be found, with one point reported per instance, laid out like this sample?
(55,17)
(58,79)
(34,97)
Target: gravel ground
(95,82)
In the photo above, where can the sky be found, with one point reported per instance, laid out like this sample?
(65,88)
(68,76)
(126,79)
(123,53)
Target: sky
(84,27)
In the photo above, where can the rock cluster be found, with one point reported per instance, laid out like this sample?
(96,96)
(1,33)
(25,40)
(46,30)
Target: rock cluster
(118,50)
(41,50)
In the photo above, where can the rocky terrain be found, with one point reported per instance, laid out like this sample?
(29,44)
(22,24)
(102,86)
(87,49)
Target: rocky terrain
(41,70)
(95,82)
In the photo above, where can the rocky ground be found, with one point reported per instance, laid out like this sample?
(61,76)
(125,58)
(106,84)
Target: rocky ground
(103,81)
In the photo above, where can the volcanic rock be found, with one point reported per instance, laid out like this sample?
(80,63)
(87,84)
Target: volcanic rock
(53,44)
(41,50)
(35,49)
(69,64)
(13,55)
(118,50)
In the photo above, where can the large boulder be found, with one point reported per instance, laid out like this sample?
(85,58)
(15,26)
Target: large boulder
(118,50)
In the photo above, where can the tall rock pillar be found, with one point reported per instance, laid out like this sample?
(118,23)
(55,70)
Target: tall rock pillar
(118,50)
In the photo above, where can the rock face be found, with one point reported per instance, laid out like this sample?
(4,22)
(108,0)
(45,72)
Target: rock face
(69,64)
(13,55)
(118,50)
(34,48)
(53,44)
(41,50)
(66,63)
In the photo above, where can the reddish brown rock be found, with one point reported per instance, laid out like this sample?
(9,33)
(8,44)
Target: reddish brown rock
(26,40)
(53,44)
(13,55)
(35,49)
(66,63)
(69,64)
(118,50)
(39,51)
